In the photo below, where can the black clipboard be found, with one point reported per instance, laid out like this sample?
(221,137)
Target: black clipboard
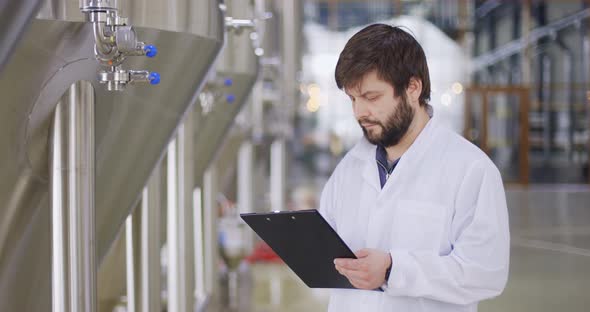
(306,243)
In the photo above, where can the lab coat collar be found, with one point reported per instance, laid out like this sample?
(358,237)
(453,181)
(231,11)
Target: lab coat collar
(365,151)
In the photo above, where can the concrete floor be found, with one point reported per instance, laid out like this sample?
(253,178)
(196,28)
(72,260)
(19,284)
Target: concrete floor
(550,260)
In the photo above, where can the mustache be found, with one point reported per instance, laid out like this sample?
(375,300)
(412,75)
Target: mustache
(366,121)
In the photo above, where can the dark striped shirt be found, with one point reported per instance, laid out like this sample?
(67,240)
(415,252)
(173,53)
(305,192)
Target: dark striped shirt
(384,169)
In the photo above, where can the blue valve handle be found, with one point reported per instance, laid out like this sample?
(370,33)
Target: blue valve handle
(154,78)
(150,50)
(230,98)
(228,82)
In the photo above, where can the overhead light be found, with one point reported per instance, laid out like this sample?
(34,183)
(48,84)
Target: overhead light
(457,88)
(445,99)
(312,105)
(313,90)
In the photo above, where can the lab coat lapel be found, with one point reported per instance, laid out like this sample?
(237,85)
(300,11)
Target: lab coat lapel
(410,158)
(365,151)
(371,173)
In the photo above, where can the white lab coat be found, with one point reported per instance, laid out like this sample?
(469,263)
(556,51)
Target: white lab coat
(442,215)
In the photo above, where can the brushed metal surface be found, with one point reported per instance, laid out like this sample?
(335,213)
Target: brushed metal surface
(74,265)
(132,128)
(14,19)
(180,228)
(238,62)
(145,263)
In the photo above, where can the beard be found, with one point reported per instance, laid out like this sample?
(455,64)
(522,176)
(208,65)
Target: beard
(394,128)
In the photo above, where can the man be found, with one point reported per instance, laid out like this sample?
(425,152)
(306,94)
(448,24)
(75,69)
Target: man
(423,209)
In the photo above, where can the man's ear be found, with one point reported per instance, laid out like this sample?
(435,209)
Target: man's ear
(414,90)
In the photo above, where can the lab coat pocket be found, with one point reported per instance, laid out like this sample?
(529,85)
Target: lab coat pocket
(417,225)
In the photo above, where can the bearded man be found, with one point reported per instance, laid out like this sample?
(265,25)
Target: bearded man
(424,209)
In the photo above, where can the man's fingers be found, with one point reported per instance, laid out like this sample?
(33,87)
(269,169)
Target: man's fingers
(353,282)
(358,279)
(342,262)
(362,253)
(355,275)
(358,284)
(350,264)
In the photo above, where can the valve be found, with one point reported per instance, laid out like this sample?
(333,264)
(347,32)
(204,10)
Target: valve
(117,79)
(216,90)
(154,78)
(150,50)
(238,25)
(114,42)
(217,86)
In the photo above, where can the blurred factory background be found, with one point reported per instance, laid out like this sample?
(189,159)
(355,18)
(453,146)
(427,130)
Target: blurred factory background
(134,132)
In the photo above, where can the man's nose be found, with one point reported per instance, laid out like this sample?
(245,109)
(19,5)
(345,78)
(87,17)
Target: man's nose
(360,109)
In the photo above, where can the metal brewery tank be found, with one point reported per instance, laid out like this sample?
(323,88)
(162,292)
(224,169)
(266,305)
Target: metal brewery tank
(14,19)
(247,125)
(212,117)
(132,127)
(239,63)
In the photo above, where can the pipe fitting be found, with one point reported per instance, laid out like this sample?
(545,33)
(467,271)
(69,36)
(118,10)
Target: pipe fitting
(114,41)
(238,25)
(117,78)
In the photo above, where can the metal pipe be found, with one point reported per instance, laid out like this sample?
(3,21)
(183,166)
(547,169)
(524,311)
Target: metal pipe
(143,250)
(172,243)
(150,295)
(525,55)
(59,238)
(486,8)
(72,180)
(180,219)
(257,112)
(102,47)
(568,69)
(82,234)
(535,35)
(277,175)
(246,185)
(96,12)
(210,230)
(86,5)
(129,259)
(291,46)
(200,290)
(585,80)
(238,24)
(546,67)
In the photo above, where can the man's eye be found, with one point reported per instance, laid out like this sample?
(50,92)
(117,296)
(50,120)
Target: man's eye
(372,99)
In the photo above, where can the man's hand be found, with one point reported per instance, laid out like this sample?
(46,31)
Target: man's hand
(366,272)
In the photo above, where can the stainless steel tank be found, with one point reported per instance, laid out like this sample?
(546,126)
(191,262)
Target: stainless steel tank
(132,127)
(238,62)
(14,19)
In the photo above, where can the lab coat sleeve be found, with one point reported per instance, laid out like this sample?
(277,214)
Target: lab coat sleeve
(477,266)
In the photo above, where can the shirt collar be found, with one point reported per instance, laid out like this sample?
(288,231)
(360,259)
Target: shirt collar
(381,157)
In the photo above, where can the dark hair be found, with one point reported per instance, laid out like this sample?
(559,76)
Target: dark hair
(393,53)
